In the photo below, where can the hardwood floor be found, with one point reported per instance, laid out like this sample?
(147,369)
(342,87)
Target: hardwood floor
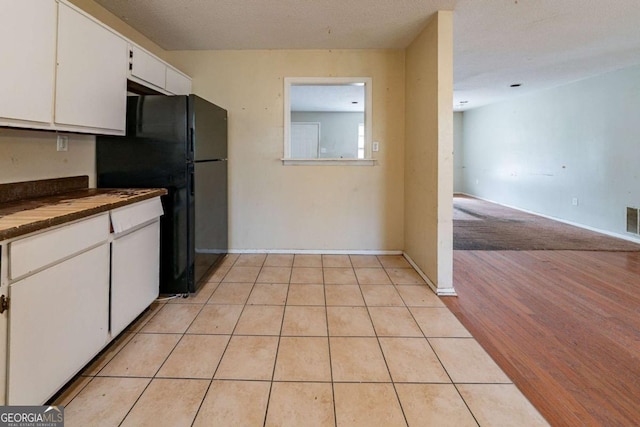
(564,325)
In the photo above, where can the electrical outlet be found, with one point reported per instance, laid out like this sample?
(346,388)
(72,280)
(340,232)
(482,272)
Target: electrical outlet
(376,146)
(62,143)
(574,201)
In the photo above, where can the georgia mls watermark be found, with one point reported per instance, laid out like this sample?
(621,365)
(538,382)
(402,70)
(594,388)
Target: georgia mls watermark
(31,416)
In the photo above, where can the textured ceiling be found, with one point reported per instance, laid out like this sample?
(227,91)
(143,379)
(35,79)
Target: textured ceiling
(538,43)
(277,24)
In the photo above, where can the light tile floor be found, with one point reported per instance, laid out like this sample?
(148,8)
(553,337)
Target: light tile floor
(304,340)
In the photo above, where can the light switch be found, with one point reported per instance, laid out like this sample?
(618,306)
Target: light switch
(376,146)
(62,143)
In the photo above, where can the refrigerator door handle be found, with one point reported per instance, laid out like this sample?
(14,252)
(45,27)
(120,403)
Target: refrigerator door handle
(192,189)
(191,144)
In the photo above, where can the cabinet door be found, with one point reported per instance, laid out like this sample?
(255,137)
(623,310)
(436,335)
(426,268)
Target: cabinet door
(91,80)
(147,67)
(135,269)
(177,83)
(27,49)
(58,321)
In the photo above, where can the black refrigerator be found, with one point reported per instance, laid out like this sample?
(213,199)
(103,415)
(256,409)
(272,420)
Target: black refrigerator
(178,143)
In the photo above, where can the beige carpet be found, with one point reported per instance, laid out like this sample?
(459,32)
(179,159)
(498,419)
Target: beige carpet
(480,225)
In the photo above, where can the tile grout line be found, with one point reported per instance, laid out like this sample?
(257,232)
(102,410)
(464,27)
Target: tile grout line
(333,391)
(244,306)
(442,364)
(121,335)
(149,383)
(393,383)
(195,417)
(154,377)
(406,300)
(136,401)
(215,370)
(326,313)
(275,359)
(383,355)
(71,382)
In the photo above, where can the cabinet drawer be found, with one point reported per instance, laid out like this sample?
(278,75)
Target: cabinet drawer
(43,249)
(129,217)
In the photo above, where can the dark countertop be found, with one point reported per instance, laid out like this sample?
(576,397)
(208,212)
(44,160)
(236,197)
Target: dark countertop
(19,217)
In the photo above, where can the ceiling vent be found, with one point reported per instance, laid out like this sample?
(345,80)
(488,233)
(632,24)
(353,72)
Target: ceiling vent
(633,223)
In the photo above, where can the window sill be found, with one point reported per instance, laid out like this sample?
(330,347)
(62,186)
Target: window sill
(329,162)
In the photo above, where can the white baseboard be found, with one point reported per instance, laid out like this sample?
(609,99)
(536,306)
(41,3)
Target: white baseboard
(314,252)
(564,221)
(442,292)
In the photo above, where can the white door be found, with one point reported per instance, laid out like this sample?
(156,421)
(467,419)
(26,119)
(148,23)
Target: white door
(305,138)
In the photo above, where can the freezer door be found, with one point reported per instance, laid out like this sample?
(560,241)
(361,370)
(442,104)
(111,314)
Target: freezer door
(211,207)
(208,124)
(153,153)
(159,117)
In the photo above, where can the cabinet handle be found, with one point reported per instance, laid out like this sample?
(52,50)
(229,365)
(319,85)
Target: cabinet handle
(4,304)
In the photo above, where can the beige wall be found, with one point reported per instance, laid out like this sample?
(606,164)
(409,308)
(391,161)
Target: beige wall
(392,206)
(272,206)
(28,155)
(111,20)
(428,172)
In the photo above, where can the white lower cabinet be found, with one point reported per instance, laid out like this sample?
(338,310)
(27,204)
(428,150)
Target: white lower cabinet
(135,261)
(58,322)
(71,290)
(135,264)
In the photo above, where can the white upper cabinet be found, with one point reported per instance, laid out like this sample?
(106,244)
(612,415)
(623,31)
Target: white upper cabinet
(178,83)
(61,69)
(152,72)
(27,49)
(147,67)
(91,78)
